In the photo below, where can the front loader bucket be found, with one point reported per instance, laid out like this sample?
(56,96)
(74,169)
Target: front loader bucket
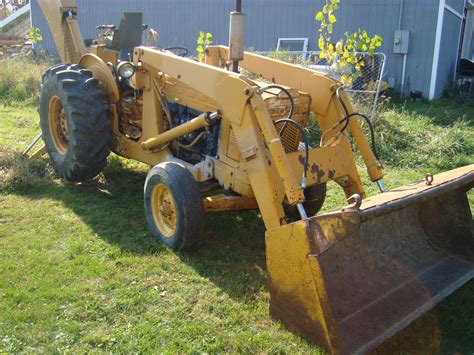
(349,280)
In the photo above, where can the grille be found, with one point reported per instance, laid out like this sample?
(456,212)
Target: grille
(279,108)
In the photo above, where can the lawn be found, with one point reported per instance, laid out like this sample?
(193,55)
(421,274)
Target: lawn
(81,272)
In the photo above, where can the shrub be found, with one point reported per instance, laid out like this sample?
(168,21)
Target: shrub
(20,80)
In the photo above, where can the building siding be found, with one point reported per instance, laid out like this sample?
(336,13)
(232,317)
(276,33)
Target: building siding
(420,17)
(450,39)
(179,21)
(457,5)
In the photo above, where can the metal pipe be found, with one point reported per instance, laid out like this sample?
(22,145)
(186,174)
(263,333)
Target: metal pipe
(302,211)
(404,67)
(236,36)
(381,186)
(377,93)
(203,120)
(404,70)
(238,6)
(400,16)
(32,144)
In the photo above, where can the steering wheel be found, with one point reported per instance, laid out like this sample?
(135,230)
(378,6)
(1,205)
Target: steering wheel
(151,37)
(179,51)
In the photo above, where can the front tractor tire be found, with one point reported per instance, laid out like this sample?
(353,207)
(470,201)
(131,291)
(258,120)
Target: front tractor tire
(75,122)
(173,206)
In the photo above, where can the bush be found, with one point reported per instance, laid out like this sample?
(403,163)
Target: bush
(20,80)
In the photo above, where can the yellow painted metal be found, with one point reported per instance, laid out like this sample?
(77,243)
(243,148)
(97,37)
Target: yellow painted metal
(261,162)
(61,18)
(38,153)
(221,203)
(228,91)
(219,85)
(261,171)
(325,105)
(106,54)
(262,156)
(272,139)
(325,164)
(58,126)
(102,72)
(163,208)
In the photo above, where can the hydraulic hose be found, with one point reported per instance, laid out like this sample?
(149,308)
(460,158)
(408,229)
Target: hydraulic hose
(348,116)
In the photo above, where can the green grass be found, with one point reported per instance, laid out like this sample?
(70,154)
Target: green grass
(81,272)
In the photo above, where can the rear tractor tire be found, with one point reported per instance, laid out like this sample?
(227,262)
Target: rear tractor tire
(75,122)
(173,206)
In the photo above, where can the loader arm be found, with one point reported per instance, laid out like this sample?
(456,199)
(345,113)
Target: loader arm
(273,174)
(322,89)
(62,21)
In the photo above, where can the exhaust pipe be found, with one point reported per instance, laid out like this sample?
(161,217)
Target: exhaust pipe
(237,36)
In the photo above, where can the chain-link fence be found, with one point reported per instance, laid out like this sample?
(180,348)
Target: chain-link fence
(365,90)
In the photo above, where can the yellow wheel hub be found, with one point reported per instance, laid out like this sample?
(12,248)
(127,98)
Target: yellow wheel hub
(163,210)
(58,125)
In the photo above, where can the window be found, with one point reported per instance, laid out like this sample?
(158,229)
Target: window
(292,44)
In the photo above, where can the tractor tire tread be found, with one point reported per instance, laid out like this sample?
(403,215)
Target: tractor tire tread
(188,202)
(88,121)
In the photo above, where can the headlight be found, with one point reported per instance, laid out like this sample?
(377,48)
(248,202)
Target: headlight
(126,70)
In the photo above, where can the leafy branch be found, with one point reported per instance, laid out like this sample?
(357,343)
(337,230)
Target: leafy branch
(343,56)
(204,40)
(35,35)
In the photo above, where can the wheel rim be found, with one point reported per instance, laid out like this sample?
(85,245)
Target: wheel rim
(163,210)
(58,127)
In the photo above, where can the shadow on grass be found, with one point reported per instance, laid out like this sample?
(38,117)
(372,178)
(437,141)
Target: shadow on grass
(232,254)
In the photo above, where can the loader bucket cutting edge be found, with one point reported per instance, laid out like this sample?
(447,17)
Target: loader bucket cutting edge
(348,280)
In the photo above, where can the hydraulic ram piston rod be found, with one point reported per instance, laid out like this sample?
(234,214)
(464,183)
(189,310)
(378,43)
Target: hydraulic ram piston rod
(203,120)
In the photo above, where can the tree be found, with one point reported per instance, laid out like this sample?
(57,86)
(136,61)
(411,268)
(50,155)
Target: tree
(343,56)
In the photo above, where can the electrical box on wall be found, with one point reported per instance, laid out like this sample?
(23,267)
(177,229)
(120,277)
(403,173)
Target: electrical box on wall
(401,41)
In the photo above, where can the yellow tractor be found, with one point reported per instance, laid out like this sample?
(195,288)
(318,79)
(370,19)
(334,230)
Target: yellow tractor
(346,280)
